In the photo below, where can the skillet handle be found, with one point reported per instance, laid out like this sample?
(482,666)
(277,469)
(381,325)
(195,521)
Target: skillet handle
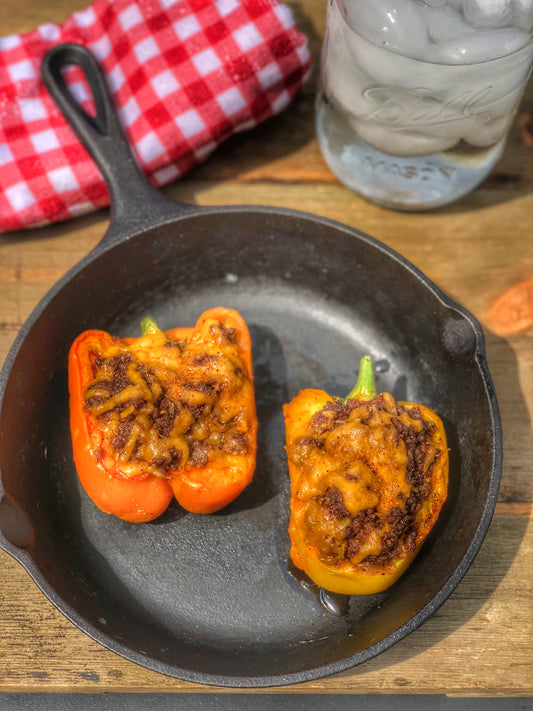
(135,203)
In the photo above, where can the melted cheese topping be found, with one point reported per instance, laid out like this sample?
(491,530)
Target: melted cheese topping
(161,406)
(364,477)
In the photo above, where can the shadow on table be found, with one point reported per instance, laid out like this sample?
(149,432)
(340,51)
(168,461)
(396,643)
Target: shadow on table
(250,702)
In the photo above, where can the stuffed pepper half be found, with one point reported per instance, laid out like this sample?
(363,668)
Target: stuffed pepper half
(369,476)
(167,414)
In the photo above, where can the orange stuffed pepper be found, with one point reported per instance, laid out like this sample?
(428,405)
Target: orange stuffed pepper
(169,414)
(369,476)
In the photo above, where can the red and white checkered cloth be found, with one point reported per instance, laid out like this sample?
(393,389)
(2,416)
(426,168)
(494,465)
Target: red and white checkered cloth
(184,76)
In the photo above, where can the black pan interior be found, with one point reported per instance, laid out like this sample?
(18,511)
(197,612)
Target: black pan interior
(214,598)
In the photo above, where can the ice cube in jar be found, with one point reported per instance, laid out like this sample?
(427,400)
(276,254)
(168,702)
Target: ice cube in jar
(523,14)
(488,13)
(481,46)
(344,79)
(395,24)
(444,23)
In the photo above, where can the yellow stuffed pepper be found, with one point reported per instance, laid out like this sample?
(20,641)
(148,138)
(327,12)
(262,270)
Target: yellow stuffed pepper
(369,476)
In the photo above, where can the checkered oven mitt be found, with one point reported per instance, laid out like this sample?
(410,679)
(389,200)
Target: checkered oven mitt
(184,76)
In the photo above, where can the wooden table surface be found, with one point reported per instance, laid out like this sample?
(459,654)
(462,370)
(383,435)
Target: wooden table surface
(479,251)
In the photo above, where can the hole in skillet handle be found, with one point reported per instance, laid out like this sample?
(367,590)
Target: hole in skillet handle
(135,204)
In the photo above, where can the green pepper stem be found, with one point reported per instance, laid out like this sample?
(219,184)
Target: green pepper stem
(148,325)
(365,387)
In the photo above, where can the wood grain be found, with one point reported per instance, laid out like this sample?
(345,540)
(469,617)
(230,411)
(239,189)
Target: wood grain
(480,641)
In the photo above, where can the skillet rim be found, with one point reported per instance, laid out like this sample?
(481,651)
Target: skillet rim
(183,212)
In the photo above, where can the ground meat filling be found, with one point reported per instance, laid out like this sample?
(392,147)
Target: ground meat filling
(333,501)
(346,440)
(357,532)
(157,419)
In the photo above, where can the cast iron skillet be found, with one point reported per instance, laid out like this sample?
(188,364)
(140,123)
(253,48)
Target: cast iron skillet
(213,599)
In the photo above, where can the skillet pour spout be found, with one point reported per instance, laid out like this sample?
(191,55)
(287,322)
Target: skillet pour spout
(213,599)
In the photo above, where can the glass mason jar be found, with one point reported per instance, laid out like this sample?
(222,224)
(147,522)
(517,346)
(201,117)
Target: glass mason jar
(417,98)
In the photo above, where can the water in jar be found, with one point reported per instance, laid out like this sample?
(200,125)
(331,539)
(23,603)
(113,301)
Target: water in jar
(417,98)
